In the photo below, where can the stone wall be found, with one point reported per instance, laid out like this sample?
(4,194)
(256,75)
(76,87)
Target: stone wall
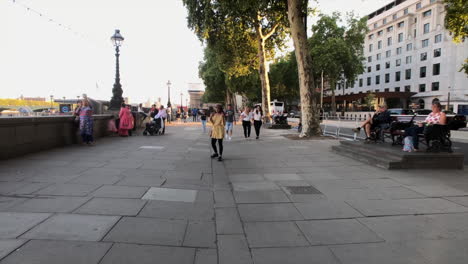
(23,135)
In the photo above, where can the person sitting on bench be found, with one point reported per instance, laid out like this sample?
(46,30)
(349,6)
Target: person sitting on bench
(436,117)
(381,119)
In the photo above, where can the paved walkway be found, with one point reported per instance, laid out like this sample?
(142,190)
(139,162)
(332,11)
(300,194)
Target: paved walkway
(272,201)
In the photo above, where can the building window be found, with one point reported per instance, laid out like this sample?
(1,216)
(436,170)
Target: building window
(438,38)
(408,74)
(422,72)
(369,69)
(422,88)
(400,37)
(387,65)
(389,41)
(377,79)
(423,56)
(418,5)
(401,24)
(409,46)
(435,86)
(369,59)
(405,12)
(380,33)
(408,59)
(387,90)
(398,62)
(370,47)
(377,90)
(407,88)
(379,44)
(437,53)
(397,76)
(432,1)
(397,89)
(394,16)
(384,21)
(369,81)
(436,69)
(398,51)
(388,53)
(371,36)
(425,43)
(427,13)
(426,28)
(375,25)
(414,33)
(377,67)
(387,77)
(390,29)
(378,56)
(360,82)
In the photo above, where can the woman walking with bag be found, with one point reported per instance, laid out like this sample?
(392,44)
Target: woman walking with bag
(86,123)
(217,132)
(246,116)
(126,121)
(257,119)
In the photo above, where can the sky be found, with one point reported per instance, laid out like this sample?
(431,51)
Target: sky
(40,58)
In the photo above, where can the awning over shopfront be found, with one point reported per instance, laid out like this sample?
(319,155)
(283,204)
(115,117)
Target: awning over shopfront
(355,97)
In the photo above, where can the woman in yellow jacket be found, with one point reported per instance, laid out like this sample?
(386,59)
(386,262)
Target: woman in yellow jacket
(217,132)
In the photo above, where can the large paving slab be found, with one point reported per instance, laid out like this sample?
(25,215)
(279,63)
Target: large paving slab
(142,230)
(178,210)
(342,231)
(299,255)
(148,254)
(261,197)
(58,252)
(326,209)
(407,206)
(200,234)
(13,225)
(116,191)
(382,253)
(73,227)
(166,194)
(51,204)
(233,249)
(8,245)
(206,256)
(274,234)
(68,189)
(269,212)
(112,206)
(228,221)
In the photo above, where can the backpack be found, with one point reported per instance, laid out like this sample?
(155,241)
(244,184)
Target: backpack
(408,146)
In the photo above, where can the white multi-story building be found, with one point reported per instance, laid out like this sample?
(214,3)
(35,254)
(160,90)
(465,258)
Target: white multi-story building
(410,58)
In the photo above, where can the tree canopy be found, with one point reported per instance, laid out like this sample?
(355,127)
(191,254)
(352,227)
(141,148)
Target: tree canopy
(456,21)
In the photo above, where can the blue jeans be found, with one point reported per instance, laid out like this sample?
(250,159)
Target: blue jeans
(229,126)
(203,123)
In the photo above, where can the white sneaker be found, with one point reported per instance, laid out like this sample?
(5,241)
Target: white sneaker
(229,138)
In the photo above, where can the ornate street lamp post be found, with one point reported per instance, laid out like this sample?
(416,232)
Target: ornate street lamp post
(51,102)
(117,99)
(168,93)
(181,104)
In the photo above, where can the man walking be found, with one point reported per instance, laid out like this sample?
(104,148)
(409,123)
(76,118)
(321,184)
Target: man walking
(230,121)
(194,114)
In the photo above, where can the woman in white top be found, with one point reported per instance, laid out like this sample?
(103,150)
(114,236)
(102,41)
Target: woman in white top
(257,119)
(246,116)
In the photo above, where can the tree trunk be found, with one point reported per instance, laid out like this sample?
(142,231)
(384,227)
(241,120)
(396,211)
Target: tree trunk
(262,71)
(333,101)
(310,115)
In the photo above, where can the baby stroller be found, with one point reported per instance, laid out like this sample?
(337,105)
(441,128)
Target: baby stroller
(153,127)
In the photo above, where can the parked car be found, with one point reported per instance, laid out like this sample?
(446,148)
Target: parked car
(294,114)
(423,111)
(400,111)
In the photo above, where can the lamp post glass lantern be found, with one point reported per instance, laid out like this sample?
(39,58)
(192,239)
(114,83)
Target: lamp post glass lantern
(117,99)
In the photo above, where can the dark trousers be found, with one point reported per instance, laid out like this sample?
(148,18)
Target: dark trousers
(220,146)
(257,126)
(414,131)
(247,127)
(87,138)
(194,118)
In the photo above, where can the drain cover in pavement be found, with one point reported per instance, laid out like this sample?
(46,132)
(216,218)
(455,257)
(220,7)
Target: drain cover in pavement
(302,190)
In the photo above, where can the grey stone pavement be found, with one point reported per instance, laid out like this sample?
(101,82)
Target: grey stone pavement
(272,201)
